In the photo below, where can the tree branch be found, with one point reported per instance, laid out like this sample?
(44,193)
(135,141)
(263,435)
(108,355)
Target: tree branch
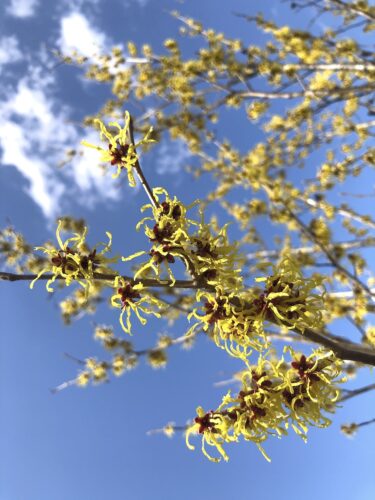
(328,254)
(350,7)
(345,245)
(357,392)
(4,276)
(343,349)
(138,169)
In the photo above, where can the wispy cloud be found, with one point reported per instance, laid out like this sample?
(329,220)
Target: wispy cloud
(28,138)
(141,3)
(80,4)
(35,132)
(9,50)
(77,34)
(22,8)
(43,187)
(36,129)
(172,156)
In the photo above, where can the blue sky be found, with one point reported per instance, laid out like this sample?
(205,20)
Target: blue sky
(92,444)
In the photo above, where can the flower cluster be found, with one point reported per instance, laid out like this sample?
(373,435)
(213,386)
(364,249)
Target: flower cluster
(275,395)
(121,151)
(215,259)
(13,248)
(235,320)
(289,299)
(96,371)
(80,302)
(123,357)
(226,317)
(74,261)
(168,235)
(207,256)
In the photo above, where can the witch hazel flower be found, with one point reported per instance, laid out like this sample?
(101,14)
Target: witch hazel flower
(121,152)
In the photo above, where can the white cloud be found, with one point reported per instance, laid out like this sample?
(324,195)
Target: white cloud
(28,127)
(35,128)
(171,157)
(141,3)
(80,4)
(78,34)
(9,50)
(43,188)
(22,8)
(34,136)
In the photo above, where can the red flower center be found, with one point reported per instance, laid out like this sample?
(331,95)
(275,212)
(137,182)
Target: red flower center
(128,294)
(118,153)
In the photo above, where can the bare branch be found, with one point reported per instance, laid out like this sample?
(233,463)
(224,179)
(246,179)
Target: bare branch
(138,169)
(330,257)
(105,277)
(344,245)
(343,349)
(349,6)
(356,392)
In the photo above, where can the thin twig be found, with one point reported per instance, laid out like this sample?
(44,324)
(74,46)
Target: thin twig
(361,330)
(356,392)
(5,276)
(330,257)
(138,169)
(343,349)
(367,422)
(345,245)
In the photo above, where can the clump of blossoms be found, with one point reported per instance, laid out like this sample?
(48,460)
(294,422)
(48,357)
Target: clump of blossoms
(74,261)
(235,320)
(169,235)
(123,358)
(121,151)
(208,257)
(214,258)
(79,302)
(288,298)
(274,396)
(95,371)
(225,318)
(13,248)
(133,298)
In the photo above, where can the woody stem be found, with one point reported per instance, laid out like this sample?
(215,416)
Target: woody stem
(138,169)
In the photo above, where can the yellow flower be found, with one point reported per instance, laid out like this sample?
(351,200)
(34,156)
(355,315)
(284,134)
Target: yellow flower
(370,335)
(83,378)
(73,261)
(214,258)
(227,320)
(121,152)
(128,298)
(213,427)
(169,429)
(170,217)
(157,358)
(118,364)
(288,298)
(169,235)
(349,429)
